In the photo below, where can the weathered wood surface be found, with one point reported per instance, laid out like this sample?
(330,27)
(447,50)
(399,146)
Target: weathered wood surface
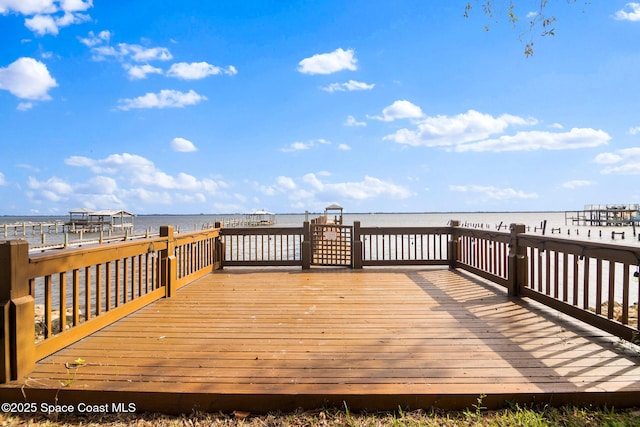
(374,339)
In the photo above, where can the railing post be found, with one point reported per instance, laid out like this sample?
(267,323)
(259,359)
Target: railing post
(220,246)
(17,312)
(356,247)
(517,278)
(306,246)
(453,244)
(168,261)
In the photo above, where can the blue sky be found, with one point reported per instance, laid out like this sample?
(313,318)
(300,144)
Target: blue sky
(405,106)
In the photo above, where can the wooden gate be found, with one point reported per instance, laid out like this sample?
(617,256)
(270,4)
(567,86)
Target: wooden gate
(331,244)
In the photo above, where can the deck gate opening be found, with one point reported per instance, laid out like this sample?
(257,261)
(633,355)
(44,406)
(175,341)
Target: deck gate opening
(331,244)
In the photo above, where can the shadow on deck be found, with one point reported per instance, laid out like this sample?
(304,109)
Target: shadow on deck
(375,339)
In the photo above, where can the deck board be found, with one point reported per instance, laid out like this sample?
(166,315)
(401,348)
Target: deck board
(276,339)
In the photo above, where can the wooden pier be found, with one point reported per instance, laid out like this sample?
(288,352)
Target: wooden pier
(249,319)
(31,228)
(605,215)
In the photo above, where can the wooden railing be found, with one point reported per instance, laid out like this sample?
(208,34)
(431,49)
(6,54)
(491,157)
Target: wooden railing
(403,245)
(196,254)
(483,253)
(272,246)
(592,282)
(91,287)
(78,291)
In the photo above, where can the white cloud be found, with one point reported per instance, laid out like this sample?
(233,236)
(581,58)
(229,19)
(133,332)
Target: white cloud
(54,189)
(143,54)
(76,5)
(633,13)
(328,63)
(3,180)
(138,72)
(42,24)
(540,140)
(300,146)
(28,7)
(166,98)
(27,78)
(577,183)
(312,190)
(623,162)
(445,130)
(136,172)
(48,16)
(368,188)
(351,85)
(24,106)
(608,158)
(344,147)
(182,145)
(285,183)
(133,52)
(634,130)
(494,193)
(401,109)
(472,131)
(198,70)
(93,39)
(351,121)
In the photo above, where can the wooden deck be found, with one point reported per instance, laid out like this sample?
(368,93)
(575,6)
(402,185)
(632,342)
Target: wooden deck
(261,340)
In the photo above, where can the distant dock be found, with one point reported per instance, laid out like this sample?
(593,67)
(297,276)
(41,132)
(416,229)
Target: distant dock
(260,218)
(605,215)
(32,228)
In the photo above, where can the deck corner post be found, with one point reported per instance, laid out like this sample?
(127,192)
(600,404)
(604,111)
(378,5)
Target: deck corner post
(306,246)
(168,262)
(517,273)
(17,311)
(453,244)
(220,247)
(221,251)
(356,247)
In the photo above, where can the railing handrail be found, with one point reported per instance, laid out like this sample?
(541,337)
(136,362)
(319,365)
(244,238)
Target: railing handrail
(41,264)
(622,253)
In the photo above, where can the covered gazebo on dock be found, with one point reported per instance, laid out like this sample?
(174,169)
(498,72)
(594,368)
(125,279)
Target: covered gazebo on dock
(334,210)
(90,220)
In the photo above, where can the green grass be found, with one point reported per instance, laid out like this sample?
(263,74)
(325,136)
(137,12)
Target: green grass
(475,416)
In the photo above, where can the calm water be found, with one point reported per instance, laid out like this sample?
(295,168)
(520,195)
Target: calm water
(556,224)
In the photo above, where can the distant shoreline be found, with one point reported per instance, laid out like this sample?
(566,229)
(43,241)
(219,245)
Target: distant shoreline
(303,213)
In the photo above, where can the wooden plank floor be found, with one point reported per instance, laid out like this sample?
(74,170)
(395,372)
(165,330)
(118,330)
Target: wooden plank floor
(243,339)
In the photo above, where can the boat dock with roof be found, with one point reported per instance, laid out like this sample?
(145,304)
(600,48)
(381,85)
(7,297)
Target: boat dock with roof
(605,215)
(106,220)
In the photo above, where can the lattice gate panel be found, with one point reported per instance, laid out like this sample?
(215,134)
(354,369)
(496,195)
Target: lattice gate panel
(331,244)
